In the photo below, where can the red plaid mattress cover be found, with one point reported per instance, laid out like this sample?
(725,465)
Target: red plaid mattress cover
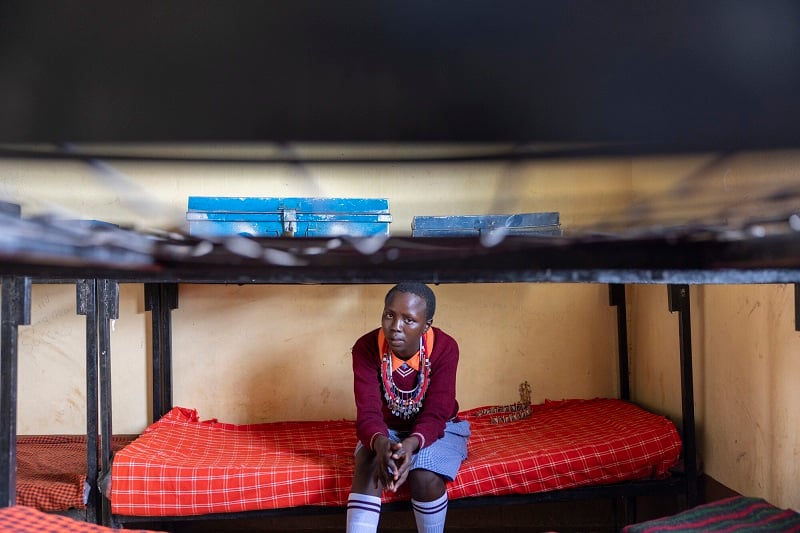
(184,466)
(23,519)
(51,470)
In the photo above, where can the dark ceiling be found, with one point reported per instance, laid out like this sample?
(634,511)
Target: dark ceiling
(645,75)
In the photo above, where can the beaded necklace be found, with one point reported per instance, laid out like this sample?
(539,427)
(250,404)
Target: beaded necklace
(405,403)
(511,412)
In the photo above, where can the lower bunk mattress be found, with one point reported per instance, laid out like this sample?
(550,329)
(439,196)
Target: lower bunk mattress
(51,470)
(183,466)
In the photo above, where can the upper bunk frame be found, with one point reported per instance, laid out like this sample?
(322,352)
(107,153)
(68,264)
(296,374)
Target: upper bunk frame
(658,257)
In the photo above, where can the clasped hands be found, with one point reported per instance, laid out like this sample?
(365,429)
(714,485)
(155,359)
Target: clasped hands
(393,461)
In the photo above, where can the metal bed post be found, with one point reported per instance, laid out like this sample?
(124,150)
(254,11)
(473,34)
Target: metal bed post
(86,290)
(16,311)
(152,303)
(108,308)
(797,306)
(169,301)
(160,299)
(678,296)
(616,297)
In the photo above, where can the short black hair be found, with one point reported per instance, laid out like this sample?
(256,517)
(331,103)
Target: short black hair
(421,290)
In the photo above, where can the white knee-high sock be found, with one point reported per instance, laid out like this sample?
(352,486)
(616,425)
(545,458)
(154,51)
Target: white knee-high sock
(430,515)
(363,513)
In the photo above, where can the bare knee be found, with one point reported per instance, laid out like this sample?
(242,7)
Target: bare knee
(364,474)
(426,486)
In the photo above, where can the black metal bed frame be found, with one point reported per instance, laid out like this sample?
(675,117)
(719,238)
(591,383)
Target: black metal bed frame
(97,300)
(162,298)
(664,259)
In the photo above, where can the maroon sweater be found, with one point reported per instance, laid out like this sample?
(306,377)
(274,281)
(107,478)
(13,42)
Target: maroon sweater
(438,406)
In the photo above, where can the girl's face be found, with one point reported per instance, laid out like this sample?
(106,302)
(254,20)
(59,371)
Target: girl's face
(404,323)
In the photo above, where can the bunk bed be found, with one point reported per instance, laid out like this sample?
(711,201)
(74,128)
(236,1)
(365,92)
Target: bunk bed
(55,473)
(180,443)
(672,258)
(161,298)
(653,111)
(517,258)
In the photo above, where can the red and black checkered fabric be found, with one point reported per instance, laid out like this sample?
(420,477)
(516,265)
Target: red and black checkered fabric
(23,519)
(51,470)
(183,466)
(565,444)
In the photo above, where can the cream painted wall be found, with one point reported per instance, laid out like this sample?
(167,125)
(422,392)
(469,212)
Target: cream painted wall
(744,340)
(655,352)
(263,353)
(52,363)
(254,353)
(752,361)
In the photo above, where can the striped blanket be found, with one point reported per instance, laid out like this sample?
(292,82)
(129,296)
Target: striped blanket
(739,514)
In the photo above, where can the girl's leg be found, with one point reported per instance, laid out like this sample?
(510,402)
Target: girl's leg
(429,500)
(364,501)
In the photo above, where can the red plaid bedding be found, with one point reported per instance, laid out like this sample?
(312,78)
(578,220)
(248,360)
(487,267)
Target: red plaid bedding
(51,470)
(21,519)
(183,466)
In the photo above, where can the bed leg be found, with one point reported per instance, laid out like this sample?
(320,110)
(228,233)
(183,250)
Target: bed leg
(86,290)
(678,296)
(630,510)
(623,511)
(160,299)
(16,311)
(108,309)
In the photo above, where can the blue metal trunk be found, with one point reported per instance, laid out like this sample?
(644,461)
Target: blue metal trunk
(472,225)
(219,216)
